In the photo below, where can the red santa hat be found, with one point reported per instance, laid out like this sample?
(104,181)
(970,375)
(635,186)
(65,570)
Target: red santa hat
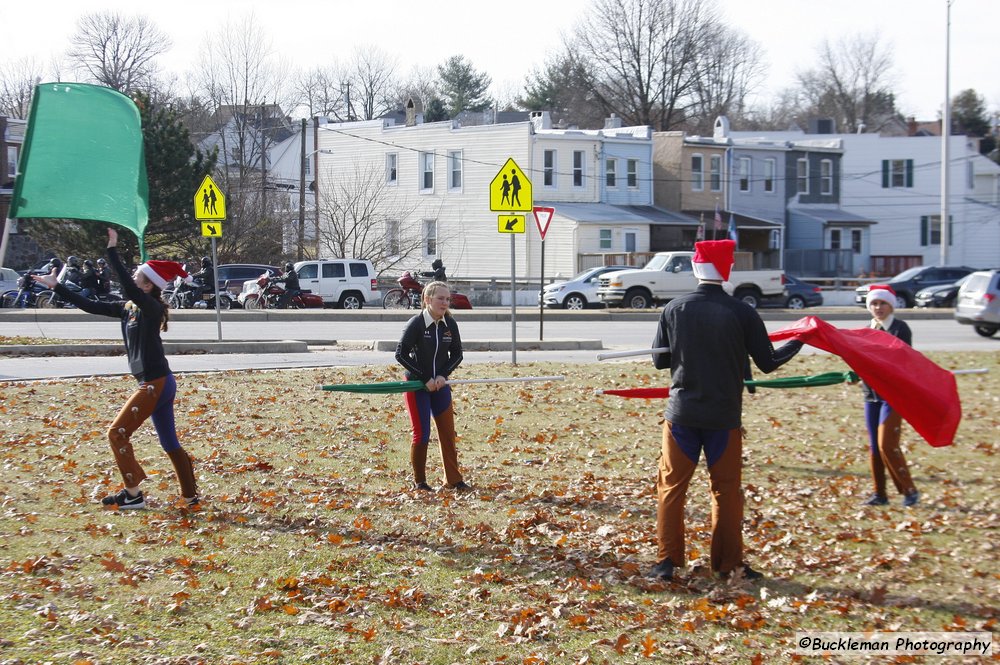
(713,259)
(163,272)
(882,292)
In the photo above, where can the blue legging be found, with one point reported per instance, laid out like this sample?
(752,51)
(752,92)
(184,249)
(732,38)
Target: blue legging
(875,415)
(422,405)
(163,416)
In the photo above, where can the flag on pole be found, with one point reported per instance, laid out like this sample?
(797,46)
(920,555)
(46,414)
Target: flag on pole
(700,233)
(83,159)
(734,235)
(718,218)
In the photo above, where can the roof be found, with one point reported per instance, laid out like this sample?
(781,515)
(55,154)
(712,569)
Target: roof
(605,213)
(743,221)
(833,216)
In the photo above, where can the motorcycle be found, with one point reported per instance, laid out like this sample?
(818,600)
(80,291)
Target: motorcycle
(49,299)
(182,296)
(407,296)
(265,294)
(25,295)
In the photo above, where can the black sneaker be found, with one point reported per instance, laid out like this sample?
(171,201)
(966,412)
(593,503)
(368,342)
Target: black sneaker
(876,500)
(663,570)
(745,571)
(125,501)
(422,486)
(911,499)
(460,486)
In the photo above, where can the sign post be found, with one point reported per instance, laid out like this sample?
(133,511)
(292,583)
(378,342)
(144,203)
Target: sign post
(210,210)
(510,192)
(543,216)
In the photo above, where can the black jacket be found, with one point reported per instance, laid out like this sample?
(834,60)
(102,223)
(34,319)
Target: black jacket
(290,279)
(710,335)
(140,319)
(429,350)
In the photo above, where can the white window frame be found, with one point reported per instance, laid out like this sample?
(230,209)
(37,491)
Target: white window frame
(579,160)
(632,173)
(698,174)
(611,172)
(802,175)
(836,239)
(744,173)
(455,178)
(770,171)
(857,240)
(11,161)
(826,176)
(392,168)
(549,160)
(392,237)
(430,237)
(605,240)
(715,173)
(897,173)
(426,171)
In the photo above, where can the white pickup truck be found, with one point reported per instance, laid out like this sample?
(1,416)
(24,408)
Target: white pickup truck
(669,275)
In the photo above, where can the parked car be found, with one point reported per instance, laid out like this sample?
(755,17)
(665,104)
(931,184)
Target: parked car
(907,283)
(8,279)
(978,302)
(799,294)
(939,296)
(578,292)
(344,283)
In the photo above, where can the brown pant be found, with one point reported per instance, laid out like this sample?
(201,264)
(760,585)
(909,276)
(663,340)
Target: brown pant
(675,471)
(445,424)
(890,458)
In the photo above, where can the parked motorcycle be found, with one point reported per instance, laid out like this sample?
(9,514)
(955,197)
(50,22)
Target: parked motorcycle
(182,296)
(407,296)
(265,294)
(24,295)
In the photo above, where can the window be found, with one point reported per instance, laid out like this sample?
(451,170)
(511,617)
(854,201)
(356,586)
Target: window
(430,237)
(632,173)
(834,238)
(455,169)
(610,172)
(308,271)
(334,270)
(802,175)
(697,173)
(930,230)
(578,168)
(769,169)
(970,175)
(856,241)
(392,243)
(549,168)
(391,159)
(359,269)
(604,236)
(426,170)
(743,173)
(715,175)
(826,176)
(897,173)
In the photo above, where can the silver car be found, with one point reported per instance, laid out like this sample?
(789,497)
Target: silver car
(578,292)
(978,302)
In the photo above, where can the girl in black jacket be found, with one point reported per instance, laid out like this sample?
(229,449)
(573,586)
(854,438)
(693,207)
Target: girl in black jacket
(143,317)
(430,349)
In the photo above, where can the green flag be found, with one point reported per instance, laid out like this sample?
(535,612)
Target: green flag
(83,159)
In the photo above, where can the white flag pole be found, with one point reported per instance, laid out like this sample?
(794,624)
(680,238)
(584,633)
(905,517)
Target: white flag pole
(629,354)
(512,379)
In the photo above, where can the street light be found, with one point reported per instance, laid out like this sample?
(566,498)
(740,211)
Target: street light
(300,251)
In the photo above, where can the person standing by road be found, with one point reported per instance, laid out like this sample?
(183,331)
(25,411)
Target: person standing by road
(882,421)
(429,350)
(143,317)
(710,337)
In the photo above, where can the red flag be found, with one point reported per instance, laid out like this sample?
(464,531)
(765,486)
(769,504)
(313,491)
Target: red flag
(923,393)
(639,393)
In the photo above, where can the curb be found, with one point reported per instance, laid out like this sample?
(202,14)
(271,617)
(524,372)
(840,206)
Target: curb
(170,348)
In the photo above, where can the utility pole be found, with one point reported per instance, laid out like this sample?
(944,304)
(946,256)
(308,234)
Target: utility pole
(945,136)
(316,181)
(302,196)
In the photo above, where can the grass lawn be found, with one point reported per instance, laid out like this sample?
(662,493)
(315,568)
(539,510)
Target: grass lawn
(310,546)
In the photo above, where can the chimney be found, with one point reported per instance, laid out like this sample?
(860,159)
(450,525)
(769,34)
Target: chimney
(541,119)
(614,122)
(721,128)
(911,126)
(414,112)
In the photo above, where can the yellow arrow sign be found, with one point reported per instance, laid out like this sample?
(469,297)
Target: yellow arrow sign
(510,190)
(211,229)
(209,202)
(510,223)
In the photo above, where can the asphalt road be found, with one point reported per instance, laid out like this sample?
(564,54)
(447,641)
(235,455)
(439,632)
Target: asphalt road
(339,339)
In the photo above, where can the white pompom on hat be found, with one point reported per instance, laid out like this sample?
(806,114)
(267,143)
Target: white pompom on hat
(882,292)
(713,259)
(161,273)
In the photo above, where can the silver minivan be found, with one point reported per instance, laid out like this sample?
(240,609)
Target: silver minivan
(978,302)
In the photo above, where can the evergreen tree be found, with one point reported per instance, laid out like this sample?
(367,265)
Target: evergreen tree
(435,111)
(463,88)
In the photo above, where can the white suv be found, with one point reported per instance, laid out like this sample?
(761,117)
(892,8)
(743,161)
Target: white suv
(344,283)
(978,302)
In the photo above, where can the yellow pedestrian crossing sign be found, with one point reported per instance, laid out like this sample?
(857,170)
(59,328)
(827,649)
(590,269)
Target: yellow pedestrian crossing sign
(211,229)
(510,223)
(510,190)
(209,202)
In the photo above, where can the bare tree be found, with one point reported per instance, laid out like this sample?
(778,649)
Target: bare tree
(18,79)
(360,218)
(852,83)
(371,82)
(729,66)
(118,51)
(640,56)
(320,92)
(420,84)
